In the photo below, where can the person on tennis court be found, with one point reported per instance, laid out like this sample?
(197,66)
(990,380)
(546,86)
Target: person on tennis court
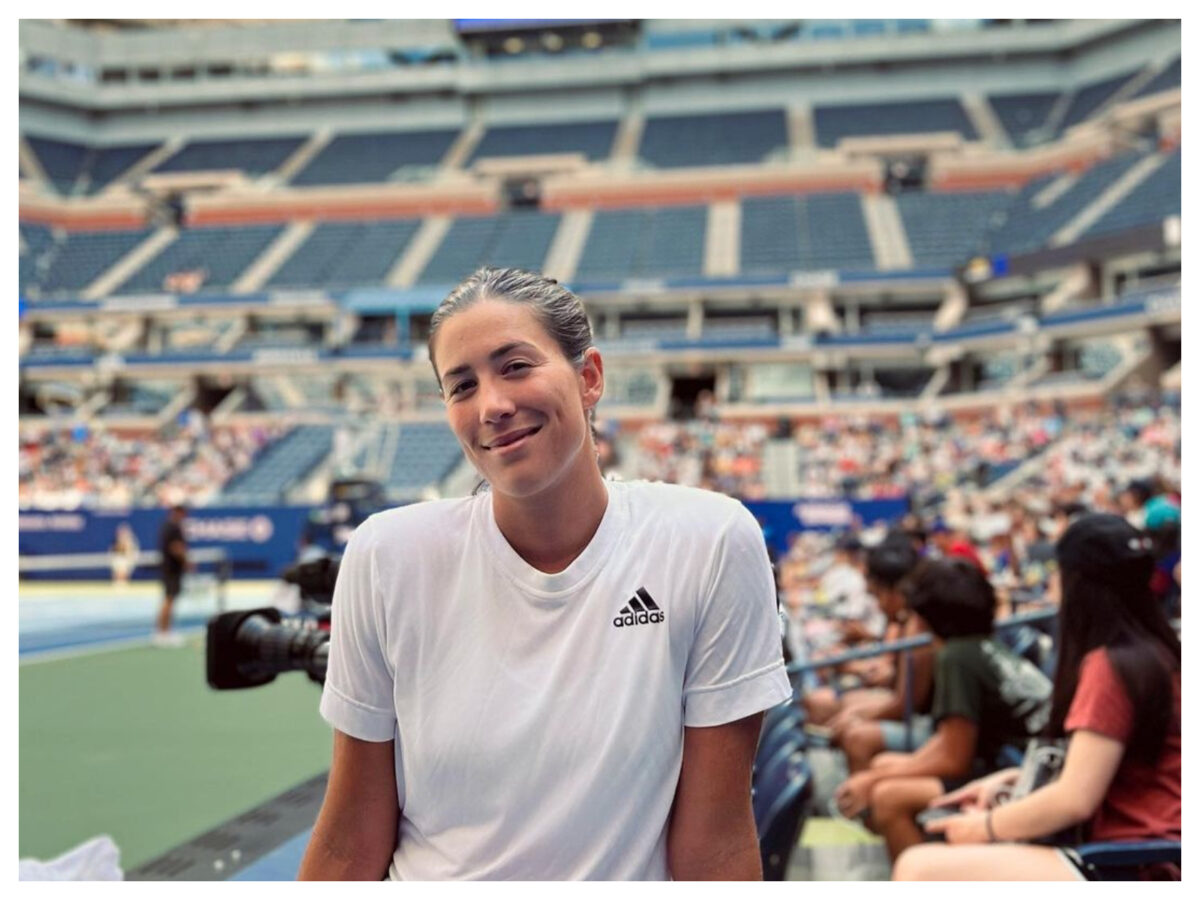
(174,561)
(560,677)
(125,551)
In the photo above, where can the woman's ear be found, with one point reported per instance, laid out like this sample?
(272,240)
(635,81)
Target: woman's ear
(591,378)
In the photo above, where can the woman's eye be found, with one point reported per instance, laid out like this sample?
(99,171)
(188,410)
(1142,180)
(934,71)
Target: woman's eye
(461,387)
(516,366)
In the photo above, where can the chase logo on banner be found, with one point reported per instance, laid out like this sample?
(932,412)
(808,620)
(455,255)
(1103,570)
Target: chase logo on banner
(825,515)
(256,529)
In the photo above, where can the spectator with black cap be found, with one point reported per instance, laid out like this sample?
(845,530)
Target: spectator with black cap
(1118,661)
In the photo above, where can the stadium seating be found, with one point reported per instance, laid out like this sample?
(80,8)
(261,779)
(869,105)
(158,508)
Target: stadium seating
(106,164)
(644,243)
(666,328)
(741,328)
(75,168)
(373,158)
(1023,228)
(82,256)
(426,452)
(1170,77)
(810,232)
(519,239)
(254,157)
(283,335)
(1159,196)
(1023,115)
(902,117)
(222,253)
(279,466)
(35,241)
(713,139)
(142,398)
(593,139)
(62,162)
(897,322)
(345,254)
(1089,99)
(947,229)
(265,394)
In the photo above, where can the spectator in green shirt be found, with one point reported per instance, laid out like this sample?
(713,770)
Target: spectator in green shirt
(984,697)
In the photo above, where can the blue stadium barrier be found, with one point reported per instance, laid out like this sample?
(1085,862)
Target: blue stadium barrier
(259,541)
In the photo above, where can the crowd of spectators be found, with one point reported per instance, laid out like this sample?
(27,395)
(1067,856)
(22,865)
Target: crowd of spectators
(847,456)
(187,463)
(872,458)
(1109,486)
(718,456)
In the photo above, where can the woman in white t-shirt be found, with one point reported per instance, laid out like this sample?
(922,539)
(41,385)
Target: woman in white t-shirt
(558,678)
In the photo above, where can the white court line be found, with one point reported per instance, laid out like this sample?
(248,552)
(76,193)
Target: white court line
(33,657)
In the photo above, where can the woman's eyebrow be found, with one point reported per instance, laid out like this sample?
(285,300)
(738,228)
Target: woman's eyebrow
(493,356)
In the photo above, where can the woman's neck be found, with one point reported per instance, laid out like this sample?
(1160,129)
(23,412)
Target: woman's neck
(551,530)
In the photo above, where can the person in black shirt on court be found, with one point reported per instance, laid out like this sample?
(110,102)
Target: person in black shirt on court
(174,561)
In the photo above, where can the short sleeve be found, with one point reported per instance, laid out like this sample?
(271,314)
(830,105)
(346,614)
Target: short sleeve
(735,667)
(358,694)
(1101,703)
(957,689)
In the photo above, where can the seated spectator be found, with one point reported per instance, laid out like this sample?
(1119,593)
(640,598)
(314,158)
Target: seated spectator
(865,722)
(844,589)
(984,698)
(950,542)
(1163,521)
(1122,774)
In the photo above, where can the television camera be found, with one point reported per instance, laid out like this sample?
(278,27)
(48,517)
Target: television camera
(248,648)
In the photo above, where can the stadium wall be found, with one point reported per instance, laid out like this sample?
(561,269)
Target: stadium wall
(262,541)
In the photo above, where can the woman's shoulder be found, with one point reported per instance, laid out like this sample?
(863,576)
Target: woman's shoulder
(415,522)
(680,503)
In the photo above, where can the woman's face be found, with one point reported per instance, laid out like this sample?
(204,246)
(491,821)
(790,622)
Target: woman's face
(514,401)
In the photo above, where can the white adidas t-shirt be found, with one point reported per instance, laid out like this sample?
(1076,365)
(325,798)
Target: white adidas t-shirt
(539,718)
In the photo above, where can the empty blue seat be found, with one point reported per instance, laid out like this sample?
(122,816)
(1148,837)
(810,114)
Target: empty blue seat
(947,229)
(804,233)
(426,452)
(345,254)
(1160,195)
(223,253)
(713,139)
(75,168)
(63,162)
(252,156)
(107,164)
(374,157)
(35,242)
(644,243)
(82,256)
(279,466)
(782,798)
(1023,115)
(519,239)
(593,139)
(1024,227)
(833,123)
(1170,77)
(1090,98)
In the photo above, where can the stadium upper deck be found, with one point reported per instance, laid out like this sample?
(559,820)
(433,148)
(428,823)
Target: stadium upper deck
(883,237)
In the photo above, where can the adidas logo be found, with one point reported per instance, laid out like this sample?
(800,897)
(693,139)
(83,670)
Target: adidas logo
(641,610)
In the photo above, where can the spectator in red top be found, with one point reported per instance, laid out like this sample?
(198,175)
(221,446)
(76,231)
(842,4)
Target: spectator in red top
(951,543)
(1118,662)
